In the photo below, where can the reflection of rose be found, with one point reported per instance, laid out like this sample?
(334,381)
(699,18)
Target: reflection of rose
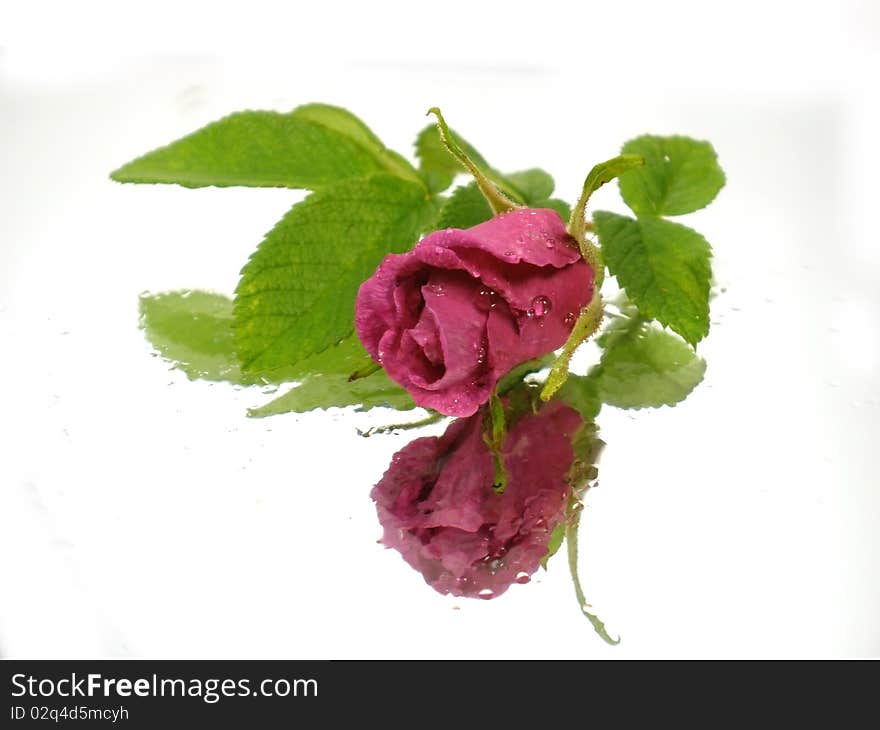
(438,507)
(448,319)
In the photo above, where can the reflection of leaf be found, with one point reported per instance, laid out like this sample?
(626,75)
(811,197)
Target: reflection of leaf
(193,329)
(331,390)
(647,368)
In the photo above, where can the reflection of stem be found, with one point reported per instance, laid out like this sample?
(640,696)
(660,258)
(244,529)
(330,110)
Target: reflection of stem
(427,421)
(571,539)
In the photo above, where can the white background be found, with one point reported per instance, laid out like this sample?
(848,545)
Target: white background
(143,515)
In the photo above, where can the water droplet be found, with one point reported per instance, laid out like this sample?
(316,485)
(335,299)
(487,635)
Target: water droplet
(481,355)
(569,319)
(486,593)
(509,253)
(522,577)
(541,306)
(486,299)
(436,289)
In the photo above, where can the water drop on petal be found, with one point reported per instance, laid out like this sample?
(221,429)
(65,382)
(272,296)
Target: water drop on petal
(522,577)
(541,305)
(486,299)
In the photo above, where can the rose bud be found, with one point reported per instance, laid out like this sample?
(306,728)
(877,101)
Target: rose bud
(438,507)
(451,317)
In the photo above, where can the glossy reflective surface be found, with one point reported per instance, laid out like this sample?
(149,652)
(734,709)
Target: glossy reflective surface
(142,514)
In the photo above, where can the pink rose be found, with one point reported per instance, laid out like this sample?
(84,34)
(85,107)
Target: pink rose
(438,508)
(448,319)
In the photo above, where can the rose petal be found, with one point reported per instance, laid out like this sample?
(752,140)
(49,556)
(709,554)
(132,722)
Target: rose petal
(534,236)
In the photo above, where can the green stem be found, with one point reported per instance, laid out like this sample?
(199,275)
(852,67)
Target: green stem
(571,539)
(587,323)
(494,437)
(600,174)
(427,421)
(498,202)
(368,368)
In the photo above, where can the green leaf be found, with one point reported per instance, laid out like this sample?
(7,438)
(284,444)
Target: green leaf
(647,368)
(437,166)
(331,390)
(296,294)
(532,185)
(581,393)
(466,207)
(497,191)
(560,206)
(193,329)
(311,147)
(680,175)
(517,374)
(663,266)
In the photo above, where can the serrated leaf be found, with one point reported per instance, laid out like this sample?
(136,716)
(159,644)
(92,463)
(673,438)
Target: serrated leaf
(296,294)
(194,331)
(663,266)
(311,147)
(647,368)
(437,166)
(466,207)
(532,185)
(330,390)
(581,393)
(680,175)
(560,206)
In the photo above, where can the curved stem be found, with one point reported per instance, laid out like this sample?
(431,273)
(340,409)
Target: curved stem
(571,539)
(498,202)
(427,421)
